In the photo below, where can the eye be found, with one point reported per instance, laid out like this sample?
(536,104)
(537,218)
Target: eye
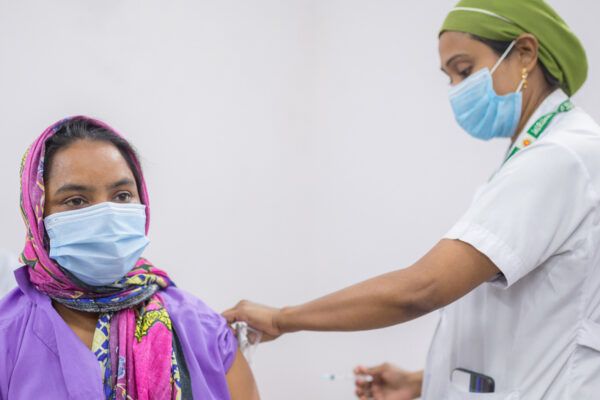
(123,197)
(75,202)
(464,73)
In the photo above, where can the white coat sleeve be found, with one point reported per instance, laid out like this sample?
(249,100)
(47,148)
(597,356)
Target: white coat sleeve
(528,210)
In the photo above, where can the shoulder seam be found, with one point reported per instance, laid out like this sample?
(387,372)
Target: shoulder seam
(577,158)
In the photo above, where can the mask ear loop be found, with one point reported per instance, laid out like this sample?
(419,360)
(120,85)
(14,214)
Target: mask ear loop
(503,56)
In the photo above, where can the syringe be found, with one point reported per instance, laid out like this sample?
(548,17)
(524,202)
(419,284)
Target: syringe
(347,377)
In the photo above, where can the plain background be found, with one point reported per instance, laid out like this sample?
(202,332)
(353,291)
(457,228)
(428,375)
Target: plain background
(291,147)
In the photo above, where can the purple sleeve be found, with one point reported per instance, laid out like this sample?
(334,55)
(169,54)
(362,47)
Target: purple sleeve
(227,344)
(200,329)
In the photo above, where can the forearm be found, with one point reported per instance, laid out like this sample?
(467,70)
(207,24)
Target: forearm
(450,270)
(382,301)
(447,272)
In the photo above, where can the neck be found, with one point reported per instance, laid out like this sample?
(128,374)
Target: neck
(74,316)
(535,100)
(82,323)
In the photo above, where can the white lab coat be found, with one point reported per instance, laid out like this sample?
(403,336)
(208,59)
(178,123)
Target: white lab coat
(8,263)
(536,329)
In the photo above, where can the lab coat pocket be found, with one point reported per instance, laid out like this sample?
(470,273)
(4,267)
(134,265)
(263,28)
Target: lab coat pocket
(585,362)
(454,393)
(589,335)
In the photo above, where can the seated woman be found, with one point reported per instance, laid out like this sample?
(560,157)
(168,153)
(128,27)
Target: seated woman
(90,318)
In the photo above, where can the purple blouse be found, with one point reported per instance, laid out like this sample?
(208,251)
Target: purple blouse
(42,358)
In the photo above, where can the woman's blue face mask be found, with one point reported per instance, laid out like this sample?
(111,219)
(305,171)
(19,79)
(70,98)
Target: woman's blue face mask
(98,244)
(480,111)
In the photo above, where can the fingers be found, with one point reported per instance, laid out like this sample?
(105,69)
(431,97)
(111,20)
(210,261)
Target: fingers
(360,370)
(232,315)
(377,371)
(257,316)
(364,393)
(362,384)
(363,388)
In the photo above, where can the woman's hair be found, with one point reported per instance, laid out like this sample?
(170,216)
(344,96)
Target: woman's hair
(81,128)
(500,46)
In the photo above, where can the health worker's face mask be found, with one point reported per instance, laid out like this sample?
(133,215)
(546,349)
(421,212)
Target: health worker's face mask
(480,111)
(98,244)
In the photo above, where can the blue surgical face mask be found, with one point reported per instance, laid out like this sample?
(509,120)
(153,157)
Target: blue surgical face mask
(98,244)
(480,111)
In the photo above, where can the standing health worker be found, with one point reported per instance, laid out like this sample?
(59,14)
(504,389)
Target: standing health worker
(518,276)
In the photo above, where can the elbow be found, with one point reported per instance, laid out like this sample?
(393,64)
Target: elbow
(420,299)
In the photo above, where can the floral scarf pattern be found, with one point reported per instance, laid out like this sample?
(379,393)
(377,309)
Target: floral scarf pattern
(134,337)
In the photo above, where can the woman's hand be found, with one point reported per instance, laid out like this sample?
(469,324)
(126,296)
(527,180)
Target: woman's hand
(389,383)
(262,318)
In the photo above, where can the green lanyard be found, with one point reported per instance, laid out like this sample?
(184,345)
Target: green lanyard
(532,134)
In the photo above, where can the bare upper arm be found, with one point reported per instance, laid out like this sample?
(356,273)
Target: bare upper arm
(240,380)
(450,270)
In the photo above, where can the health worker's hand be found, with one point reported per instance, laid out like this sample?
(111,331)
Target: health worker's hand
(389,383)
(258,316)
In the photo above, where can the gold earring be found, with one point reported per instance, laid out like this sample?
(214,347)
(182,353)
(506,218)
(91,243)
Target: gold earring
(524,76)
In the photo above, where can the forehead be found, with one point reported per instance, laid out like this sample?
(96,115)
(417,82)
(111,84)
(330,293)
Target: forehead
(88,162)
(452,43)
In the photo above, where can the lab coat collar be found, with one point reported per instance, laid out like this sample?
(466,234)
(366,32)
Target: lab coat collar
(550,104)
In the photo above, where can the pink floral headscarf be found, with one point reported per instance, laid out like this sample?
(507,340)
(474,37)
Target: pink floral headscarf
(134,336)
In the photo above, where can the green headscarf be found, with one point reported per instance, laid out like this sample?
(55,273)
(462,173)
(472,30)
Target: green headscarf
(559,49)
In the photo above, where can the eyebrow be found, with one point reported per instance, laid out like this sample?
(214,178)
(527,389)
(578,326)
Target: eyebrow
(454,57)
(122,182)
(72,187)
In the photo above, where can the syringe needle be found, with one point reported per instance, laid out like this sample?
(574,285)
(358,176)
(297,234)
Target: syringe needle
(347,377)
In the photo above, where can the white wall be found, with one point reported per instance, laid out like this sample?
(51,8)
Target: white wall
(291,147)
